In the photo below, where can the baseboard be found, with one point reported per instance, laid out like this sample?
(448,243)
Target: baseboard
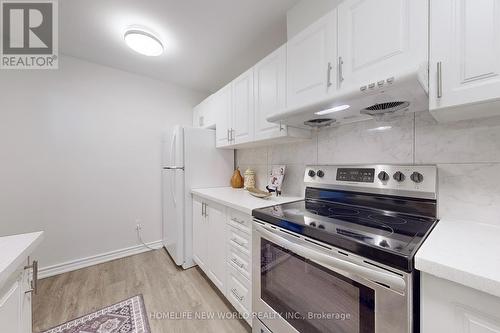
(97,259)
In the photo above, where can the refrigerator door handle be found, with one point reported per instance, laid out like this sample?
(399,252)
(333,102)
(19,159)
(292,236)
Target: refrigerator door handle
(173,168)
(172,184)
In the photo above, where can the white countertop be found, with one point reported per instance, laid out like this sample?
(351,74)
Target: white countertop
(464,252)
(13,252)
(240,199)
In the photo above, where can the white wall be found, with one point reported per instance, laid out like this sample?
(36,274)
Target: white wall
(80,155)
(306,12)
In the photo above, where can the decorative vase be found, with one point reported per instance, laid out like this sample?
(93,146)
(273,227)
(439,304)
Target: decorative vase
(249,179)
(236,179)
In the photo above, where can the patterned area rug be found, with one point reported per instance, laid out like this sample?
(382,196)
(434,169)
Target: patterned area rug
(128,316)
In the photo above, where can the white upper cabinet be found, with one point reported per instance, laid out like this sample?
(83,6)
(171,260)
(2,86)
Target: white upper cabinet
(379,39)
(311,70)
(204,114)
(242,129)
(465,59)
(270,93)
(223,100)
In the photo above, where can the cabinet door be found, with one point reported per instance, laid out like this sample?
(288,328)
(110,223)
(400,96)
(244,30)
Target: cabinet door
(26,308)
(311,70)
(270,93)
(223,109)
(465,40)
(216,234)
(243,108)
(379,39)
(10,308)
(200,242)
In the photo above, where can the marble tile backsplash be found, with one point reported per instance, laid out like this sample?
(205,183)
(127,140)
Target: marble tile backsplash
(467,154)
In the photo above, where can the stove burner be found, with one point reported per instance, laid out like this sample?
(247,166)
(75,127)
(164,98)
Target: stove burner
(387,219)
(343,212)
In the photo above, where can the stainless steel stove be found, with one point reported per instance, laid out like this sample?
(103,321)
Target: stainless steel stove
(342,259)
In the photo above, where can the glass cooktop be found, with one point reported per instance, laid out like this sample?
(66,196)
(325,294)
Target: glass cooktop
(388,237)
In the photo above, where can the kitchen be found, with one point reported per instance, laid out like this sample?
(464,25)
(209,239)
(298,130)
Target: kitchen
(131,183)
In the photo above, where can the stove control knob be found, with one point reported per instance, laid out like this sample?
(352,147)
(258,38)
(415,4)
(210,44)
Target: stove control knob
(311,173)
(321,227)
(312,224)
(399,177)
(383,176)
(417,177)
(320,173)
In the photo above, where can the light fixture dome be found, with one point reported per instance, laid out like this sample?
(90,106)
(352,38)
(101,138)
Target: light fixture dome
(143,42)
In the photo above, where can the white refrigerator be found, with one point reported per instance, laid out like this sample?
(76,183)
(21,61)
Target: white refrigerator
(190,160)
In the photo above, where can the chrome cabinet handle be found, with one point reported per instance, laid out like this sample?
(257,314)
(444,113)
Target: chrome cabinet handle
(329,75)
(341,70)
(440,79)
(237,263)
(235,293)
(281,127)
(34,280)
(238,242)
(232,134)
(237,221)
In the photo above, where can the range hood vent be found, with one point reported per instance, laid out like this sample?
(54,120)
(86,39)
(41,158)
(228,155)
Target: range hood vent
(384,108)
(397,95)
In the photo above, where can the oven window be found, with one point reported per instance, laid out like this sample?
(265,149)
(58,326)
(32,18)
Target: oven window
(312,298)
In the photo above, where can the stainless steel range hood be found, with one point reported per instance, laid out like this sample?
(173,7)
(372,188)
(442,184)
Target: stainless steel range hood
(393,96)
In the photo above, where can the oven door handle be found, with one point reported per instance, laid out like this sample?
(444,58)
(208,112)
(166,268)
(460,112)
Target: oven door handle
(395,282)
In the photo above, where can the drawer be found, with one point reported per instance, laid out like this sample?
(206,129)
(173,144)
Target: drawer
(239,291)
(239,260)
(240,221)
(239,240)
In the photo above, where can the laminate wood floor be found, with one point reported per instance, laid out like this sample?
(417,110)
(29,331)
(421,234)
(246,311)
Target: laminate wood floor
(165,288)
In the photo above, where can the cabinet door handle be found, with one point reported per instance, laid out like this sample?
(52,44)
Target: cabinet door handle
(341,70)
(440,79)
(232,134)
(34,279)
(228,139)
(329,75)
(235,293)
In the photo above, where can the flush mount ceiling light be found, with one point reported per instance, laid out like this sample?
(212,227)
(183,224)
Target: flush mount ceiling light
(143,42)
(334,109)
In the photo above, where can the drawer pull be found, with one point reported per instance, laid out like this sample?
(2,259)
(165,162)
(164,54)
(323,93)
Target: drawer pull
(238,221)
(243,244)
(237,263)
(235,293)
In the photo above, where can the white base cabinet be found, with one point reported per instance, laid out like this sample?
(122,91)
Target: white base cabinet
(222,248)
(450,307)
(15,302)
(209,251)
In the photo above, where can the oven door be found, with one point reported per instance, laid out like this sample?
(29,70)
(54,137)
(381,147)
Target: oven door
(301,285)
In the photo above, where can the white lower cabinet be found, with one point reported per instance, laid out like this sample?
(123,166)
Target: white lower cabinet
(450,307)
(209,252)
(15,303)
(222,248)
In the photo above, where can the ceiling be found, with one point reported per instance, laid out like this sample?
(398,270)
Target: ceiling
(208,42)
